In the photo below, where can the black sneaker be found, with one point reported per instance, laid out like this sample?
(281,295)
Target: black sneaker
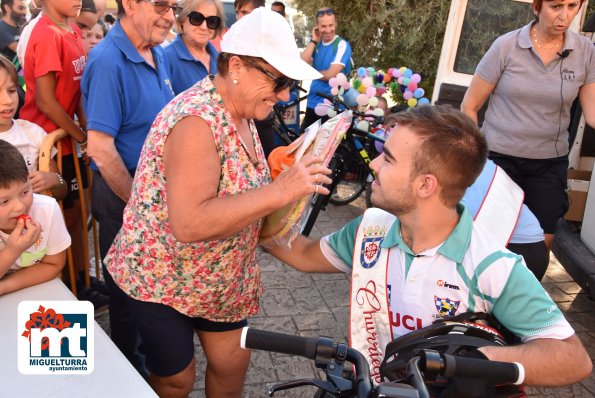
(99,301)
(95,284)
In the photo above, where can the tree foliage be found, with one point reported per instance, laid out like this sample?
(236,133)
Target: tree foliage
(394,33)
(390,33)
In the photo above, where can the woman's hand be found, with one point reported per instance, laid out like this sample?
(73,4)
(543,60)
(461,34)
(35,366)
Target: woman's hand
(303,178)
(43,181)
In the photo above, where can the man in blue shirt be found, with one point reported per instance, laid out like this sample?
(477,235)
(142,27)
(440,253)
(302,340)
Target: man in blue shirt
(327,53)
(124,86)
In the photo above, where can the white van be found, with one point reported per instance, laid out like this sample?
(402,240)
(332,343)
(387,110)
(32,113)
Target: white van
(472,27)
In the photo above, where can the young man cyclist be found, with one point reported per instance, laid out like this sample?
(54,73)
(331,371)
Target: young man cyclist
(424,256)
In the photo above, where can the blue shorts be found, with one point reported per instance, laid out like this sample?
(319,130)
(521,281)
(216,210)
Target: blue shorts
(168,336)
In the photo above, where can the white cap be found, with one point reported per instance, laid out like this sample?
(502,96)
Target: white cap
(266,34)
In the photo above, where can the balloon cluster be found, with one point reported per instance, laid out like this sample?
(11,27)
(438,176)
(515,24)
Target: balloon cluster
(369,83)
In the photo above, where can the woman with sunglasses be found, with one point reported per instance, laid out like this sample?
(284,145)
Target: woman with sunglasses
(186,254)
(191,56)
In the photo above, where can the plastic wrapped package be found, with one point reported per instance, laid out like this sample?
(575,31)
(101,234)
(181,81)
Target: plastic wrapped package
(284,225)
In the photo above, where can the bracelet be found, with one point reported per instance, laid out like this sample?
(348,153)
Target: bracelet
(60,179)
(314,42)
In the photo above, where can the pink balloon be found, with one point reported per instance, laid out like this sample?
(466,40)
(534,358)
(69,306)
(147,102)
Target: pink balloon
(362,99)
(412,86)
(400,79)
(333,82)
(367,82)
(407,95)
(380,90)
(416,78)
(321,110)
(370,92)
(346,86)
(397,73)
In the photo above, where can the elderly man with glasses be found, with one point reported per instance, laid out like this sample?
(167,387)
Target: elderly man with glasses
(327,53)
(125,84)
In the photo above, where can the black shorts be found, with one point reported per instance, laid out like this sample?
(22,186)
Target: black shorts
(69,175)
(168,335)
(536,256)
(544,182)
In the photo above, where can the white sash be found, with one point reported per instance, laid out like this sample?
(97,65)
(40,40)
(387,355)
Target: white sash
(501,207)
(370,329)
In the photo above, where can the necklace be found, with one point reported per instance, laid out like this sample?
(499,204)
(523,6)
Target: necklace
(539,45)
(61,25)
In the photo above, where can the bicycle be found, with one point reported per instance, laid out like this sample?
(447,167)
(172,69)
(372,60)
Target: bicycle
(286,114)
(352,155)
(330,356)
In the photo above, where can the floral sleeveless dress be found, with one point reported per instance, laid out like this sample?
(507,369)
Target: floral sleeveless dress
(218,280)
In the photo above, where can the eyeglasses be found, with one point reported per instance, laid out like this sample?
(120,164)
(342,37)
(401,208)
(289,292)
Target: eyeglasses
(196,18)
(327,11)
(162,7)
(281,82)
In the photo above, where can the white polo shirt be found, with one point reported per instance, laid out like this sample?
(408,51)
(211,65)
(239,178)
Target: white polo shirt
(468,272)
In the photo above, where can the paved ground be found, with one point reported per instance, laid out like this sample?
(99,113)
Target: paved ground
(312,305)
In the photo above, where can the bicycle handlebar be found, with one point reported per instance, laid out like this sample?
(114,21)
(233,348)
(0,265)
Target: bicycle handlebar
(432,364)
(494,371)
(320,349)
(279,342)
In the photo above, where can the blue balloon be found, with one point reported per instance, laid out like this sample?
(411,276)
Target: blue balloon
(419,92)
(349,97)
(408,73)
(361,71)
(423,101)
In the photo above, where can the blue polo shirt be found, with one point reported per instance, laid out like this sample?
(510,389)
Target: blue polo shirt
(184,69)
(527,229)
(122,93)
(336,52)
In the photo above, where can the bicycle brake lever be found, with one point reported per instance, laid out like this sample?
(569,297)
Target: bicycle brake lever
(286,385)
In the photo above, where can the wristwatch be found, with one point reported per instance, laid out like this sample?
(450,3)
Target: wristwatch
(314,42)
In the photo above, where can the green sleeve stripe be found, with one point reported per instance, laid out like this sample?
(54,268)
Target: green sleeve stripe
(524,307)
(467,282)
(342,242)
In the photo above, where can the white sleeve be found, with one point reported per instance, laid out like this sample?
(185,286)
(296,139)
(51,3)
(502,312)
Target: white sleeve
(58,237)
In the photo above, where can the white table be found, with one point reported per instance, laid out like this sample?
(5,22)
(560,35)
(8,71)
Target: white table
(113,376)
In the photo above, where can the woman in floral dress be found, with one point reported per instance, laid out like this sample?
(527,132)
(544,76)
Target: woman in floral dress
(185,256)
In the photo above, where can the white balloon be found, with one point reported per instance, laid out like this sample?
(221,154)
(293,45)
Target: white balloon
(373,101)
(331,113)
(363,125)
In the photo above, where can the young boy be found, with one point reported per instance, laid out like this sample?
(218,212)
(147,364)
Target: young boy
(33,237)
(25,136)
(54,65)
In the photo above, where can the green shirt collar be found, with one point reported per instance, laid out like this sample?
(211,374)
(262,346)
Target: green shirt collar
(453,248)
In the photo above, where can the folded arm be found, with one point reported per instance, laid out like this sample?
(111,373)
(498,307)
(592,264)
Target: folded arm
(49,267)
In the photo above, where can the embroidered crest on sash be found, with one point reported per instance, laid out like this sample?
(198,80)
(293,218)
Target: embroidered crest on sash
(446,307)
(370,249)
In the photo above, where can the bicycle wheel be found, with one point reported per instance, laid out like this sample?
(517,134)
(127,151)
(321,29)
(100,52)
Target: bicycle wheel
(352,184)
